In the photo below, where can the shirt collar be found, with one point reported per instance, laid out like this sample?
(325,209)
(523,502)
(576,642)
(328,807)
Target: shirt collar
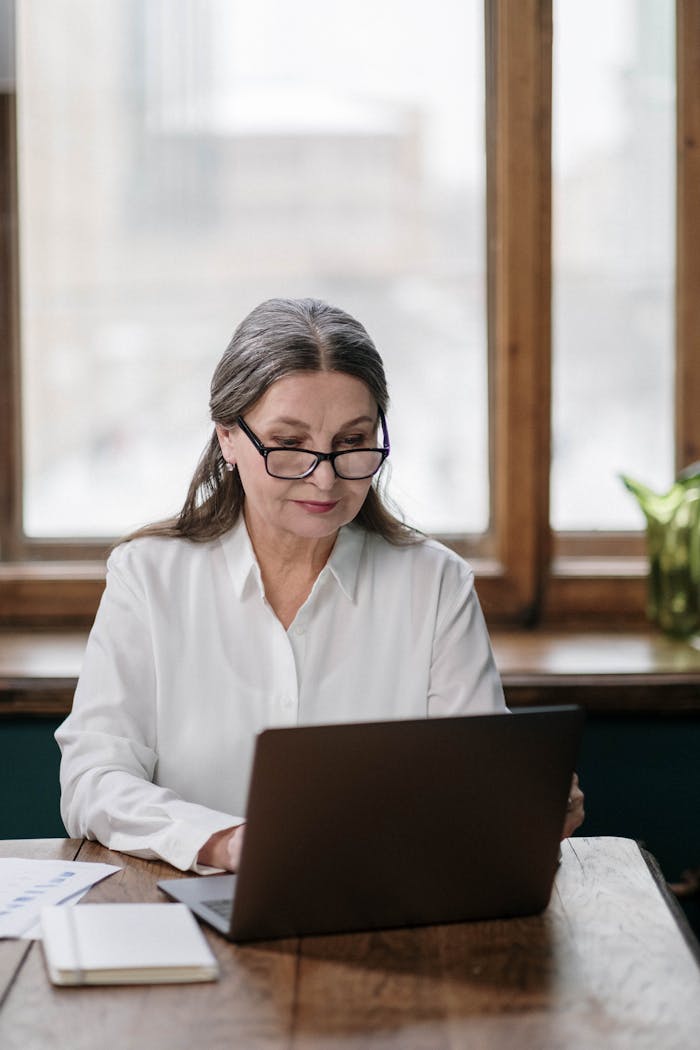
(343,564)
(240,559)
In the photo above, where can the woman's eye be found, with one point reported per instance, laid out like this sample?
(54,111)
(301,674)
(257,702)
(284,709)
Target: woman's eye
(285,442)
(353,441)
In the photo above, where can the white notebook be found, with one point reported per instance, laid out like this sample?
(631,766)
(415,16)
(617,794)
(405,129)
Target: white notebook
(125,944)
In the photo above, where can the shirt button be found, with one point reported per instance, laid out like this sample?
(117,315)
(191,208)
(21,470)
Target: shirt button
(300,629)
(288,702)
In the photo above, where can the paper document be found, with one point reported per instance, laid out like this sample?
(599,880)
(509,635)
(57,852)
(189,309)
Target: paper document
(27,886)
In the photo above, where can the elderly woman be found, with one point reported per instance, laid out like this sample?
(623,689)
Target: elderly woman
(285,592)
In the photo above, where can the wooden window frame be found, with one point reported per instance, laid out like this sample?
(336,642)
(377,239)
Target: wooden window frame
(526,573)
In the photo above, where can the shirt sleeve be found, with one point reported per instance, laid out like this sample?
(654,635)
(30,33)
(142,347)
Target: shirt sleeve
(463,674)
(109,750)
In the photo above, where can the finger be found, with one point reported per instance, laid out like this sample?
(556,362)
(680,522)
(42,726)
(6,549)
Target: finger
(235,846)
(574,816)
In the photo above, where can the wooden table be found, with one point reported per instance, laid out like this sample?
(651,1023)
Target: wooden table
(607,965)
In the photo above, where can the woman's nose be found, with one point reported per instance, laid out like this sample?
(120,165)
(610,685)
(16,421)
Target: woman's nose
(324,475)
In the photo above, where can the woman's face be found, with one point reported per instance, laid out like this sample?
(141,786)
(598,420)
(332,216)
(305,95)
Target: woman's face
(322,411)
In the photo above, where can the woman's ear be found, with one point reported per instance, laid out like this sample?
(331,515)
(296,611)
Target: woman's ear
(226,444)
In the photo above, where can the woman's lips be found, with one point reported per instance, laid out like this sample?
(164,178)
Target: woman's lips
(314,507)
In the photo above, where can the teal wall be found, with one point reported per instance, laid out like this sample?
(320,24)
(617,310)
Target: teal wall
(29,760)
(641,777)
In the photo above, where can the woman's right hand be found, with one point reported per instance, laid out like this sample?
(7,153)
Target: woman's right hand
(574,809)
(223,849)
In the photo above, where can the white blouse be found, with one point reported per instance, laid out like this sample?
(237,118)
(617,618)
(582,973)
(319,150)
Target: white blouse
(186,663)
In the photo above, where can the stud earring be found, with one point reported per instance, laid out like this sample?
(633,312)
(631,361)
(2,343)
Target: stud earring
(229,467)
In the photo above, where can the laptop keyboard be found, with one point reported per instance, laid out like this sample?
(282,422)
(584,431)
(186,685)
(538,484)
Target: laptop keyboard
(222,907)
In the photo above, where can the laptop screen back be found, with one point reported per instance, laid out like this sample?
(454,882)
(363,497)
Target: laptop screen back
(371,825)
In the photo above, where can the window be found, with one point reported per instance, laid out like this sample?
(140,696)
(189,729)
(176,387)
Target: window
(203,156)
(613,243)
(174,158)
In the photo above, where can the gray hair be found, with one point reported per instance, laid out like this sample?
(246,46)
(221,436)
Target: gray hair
(282,336)
(279,337)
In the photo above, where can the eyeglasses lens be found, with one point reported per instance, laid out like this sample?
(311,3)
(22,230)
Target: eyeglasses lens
(354,465)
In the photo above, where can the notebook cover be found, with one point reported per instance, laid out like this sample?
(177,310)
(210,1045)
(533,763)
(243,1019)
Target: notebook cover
(125,944)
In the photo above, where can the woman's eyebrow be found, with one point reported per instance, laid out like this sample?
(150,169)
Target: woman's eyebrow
(291,422)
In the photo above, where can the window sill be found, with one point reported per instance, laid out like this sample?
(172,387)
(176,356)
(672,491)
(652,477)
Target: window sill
(635,670)
(638,671)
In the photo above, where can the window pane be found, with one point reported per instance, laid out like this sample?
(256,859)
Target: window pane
(180,161)
(613,245)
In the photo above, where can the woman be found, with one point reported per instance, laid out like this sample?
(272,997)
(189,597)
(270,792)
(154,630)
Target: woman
(284,592)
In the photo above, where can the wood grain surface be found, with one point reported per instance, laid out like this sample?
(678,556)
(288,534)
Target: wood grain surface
(604,966)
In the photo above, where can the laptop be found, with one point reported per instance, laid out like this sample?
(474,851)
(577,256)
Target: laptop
(376,825)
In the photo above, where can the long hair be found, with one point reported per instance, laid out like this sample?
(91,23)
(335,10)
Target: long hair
(279,337)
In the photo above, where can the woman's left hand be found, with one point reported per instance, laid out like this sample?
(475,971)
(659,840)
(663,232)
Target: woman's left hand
(575,812)
(223,849)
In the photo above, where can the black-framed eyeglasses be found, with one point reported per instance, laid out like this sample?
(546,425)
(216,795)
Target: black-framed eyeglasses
(293,463)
